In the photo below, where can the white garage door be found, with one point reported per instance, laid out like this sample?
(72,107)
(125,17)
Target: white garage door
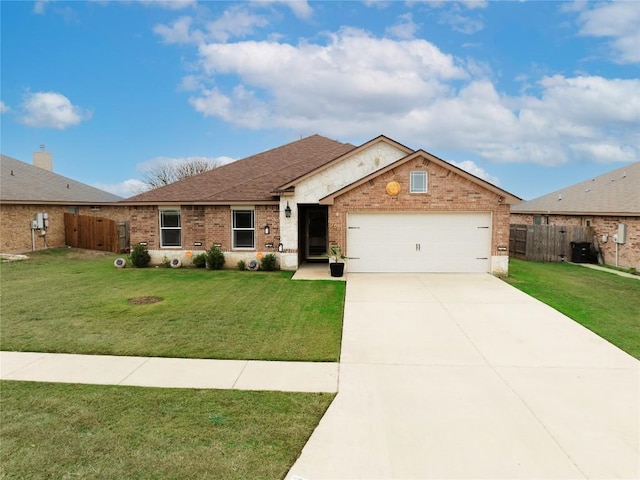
(417,242)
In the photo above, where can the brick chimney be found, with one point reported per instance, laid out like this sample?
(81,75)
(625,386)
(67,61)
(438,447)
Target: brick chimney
(43,159)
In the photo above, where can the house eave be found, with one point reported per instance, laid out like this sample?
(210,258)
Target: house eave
(69,203)
(199,203)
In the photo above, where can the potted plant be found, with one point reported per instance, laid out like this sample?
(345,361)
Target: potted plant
(336,265)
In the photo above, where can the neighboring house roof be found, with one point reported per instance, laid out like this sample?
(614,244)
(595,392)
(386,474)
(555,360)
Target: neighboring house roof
(613,193)
(507,197)
(23,183)
(249,180)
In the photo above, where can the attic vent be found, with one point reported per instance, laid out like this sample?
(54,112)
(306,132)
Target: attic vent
(624,174)
(587,190)
(559,196)
(68,186)
(426,162)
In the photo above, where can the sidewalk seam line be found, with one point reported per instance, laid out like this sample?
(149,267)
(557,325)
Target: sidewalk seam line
(246,363)
(146,360)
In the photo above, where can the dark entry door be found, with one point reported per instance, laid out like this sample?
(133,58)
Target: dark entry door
(316,233)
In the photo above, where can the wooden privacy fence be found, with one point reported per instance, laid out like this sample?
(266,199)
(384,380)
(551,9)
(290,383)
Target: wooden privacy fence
(546,243)
(96,233)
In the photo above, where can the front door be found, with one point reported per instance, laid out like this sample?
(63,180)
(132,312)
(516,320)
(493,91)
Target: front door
(316,233)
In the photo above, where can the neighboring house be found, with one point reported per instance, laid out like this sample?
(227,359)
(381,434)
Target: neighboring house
(609,203)
(30,193)
(390,208)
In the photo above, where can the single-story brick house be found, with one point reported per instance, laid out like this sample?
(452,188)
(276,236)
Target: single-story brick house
(388,207)
(29,190)
(609,204)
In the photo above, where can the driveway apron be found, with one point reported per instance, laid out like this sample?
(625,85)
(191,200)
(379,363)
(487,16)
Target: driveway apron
(461,376)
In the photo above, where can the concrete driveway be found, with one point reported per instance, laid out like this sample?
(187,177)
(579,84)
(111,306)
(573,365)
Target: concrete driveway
(463,376)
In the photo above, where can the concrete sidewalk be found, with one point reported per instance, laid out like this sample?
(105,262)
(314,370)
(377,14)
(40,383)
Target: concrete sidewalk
(170,372)
(456,376)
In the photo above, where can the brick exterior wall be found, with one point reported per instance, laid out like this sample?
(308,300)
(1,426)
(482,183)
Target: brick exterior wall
(628,253)
(208,225)
(446,192)
(15,224)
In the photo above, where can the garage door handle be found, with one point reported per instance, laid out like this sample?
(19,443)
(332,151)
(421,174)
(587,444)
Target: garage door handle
(483,227)
(417,247)
(354,228)
(482,258)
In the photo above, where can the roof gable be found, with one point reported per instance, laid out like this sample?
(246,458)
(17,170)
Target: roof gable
(350,153)
(508,197)
(614,193)
(23,183)
(252,179)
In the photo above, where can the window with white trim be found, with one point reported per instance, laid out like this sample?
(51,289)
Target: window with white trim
(170,227)
(243,230)
(418,182)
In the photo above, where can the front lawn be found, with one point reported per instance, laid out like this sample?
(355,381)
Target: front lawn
(76,301)
(113,432)
(605,303)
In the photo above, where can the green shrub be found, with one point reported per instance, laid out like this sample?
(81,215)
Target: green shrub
(140,256)
(268,262)
(215,258)
(242,265)
(200,260)
(166,263)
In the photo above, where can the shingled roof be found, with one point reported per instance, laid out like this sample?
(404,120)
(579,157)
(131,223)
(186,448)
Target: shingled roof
(23,183)
(252,179)
(613,193)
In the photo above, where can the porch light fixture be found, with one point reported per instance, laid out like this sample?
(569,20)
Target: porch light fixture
(267,230)
(287,211)
(280,247)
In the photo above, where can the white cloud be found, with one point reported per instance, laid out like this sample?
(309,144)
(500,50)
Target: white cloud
(39,6)
(235,22)
(170,4)
(461,23)
(473,169)
(51,110)
(618,21)
(4,108)
(380,4)
(405,28)
(179,32)
(125,189)
(300,8)
(355,85)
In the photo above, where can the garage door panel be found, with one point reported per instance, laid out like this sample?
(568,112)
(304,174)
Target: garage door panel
(404,242)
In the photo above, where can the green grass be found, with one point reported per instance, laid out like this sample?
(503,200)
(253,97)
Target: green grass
(76,301)
(113,432)
(605,303)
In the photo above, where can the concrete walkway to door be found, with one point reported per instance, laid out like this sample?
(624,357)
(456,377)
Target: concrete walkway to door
(456,376)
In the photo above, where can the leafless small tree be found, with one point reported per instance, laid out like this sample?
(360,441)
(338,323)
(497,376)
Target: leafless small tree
(166,172)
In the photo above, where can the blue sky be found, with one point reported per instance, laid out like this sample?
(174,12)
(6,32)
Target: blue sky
(532,96)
